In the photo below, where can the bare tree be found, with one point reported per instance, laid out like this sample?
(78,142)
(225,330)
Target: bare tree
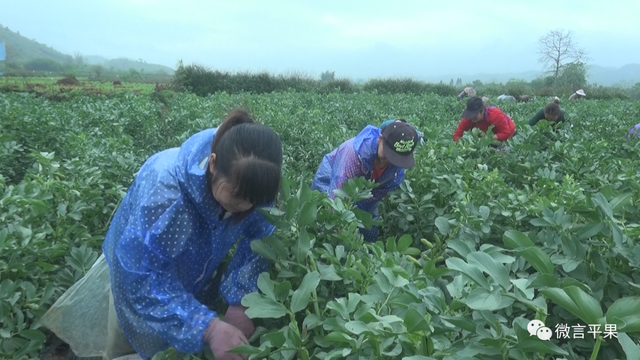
(557,50)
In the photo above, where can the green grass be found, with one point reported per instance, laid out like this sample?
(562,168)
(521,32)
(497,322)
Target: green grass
(473,245)
(48,87)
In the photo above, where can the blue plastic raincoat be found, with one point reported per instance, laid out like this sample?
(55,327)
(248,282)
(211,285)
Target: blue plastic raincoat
(354,158)
(165,242)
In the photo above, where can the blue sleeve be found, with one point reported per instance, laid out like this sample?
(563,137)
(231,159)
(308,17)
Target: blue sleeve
(145,270)
(346,167)
(245,267)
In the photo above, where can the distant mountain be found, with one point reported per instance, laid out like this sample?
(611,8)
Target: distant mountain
(485,78)
(606,76)
(95,59)
(127,64)
(21,50)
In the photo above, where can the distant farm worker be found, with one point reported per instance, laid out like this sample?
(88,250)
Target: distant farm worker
(525,98)
(556,100)
(379,155)
(551,112)
(633,132)
(485,100)
(478,115)
(468,91)
(504,97)
(577,95)
(185,210)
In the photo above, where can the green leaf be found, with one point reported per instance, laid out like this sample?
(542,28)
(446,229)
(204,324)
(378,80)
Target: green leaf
(460,247)
(589,230)
(301,296)
(540,222)
(304,192)
(631,350)
(282,290)
(493,268)
(482,299)
(625,311)
(276,338)
(484,212)
(619,202)
(603,204)
(544,280)
(414,321)
(292,208)
(469,270)
(33,335)
(418,357)
(328,273)
(443,225)
(460,322)
(312,321)
(514,239)
(260,306)
(404,243)
(308,213)
(358,327)
(339,337)
(537,346)
(261,247)
(245,349)
(266,285)
(617,235)
(577,302)
(391,244)
(302,246)
(538,259)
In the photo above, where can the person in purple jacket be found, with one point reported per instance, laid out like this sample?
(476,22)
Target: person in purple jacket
(377,155)
(634,131)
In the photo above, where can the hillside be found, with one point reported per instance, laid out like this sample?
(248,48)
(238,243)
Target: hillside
(606,76)
(124,64)
(20,49)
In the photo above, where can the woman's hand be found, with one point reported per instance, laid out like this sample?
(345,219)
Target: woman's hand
(223,337)
(236,316)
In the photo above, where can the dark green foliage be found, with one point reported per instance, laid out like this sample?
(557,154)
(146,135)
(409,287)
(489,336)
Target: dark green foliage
(474,244)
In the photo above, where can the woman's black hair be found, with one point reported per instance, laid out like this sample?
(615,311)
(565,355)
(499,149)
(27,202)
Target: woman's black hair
(249,157)
(552,109)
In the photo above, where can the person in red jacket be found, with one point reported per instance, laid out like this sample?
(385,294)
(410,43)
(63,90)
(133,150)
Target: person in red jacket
(478,115)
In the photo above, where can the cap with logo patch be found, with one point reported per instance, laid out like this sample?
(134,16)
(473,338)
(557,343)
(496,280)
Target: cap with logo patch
(400,140)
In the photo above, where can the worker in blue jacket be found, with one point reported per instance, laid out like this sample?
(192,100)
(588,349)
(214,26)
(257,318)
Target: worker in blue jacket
(380,155)
(185,210)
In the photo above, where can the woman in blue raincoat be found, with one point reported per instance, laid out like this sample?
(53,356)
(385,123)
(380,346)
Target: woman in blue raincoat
(380,155)
(181,216)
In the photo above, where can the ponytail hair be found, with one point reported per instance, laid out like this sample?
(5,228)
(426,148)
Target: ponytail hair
(248,157)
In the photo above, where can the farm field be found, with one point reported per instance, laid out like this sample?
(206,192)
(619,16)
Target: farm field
(474,245)
(62,88)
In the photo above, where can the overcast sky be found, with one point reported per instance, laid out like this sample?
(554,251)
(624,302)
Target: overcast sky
(355,39)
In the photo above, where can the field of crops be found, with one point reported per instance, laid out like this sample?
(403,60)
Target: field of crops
(474,245)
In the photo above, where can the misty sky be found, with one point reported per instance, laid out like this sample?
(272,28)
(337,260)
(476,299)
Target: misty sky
(356,39)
